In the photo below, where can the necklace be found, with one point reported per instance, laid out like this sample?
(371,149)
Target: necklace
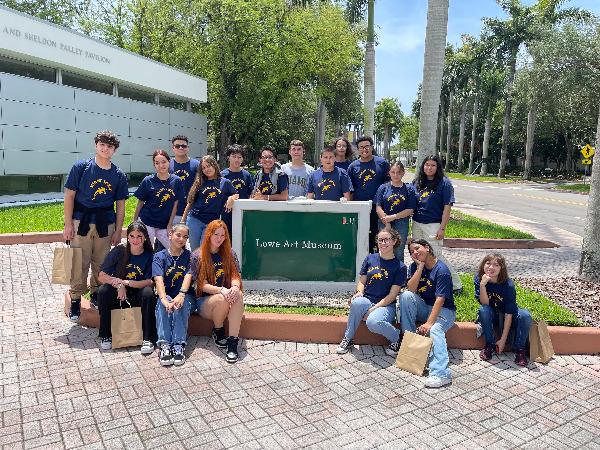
(178,256)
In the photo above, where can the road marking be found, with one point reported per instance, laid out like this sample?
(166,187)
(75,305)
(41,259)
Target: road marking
(552,199)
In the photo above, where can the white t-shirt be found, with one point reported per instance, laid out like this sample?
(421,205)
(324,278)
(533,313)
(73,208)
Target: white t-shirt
(297,179)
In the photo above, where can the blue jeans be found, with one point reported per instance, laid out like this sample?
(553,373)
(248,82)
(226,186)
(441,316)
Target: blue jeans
(197,229)
(401,226)
(379,321)
(521,322)
(172,327)
(414,308)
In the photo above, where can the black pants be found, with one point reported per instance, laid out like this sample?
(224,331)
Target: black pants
(107,301)
(373,230)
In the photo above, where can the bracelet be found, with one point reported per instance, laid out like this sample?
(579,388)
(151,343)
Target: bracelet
(360,292)
(183,291)
(221,290)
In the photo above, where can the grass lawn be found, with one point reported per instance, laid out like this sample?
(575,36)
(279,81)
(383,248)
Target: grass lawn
(539,306)
(575,187)
(473,227)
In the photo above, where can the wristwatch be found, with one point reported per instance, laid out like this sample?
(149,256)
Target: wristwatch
(183,291)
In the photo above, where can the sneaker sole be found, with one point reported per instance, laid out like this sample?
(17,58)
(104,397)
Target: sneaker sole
(179,363)
(391,353)
(166,363)
(74,319)
(343,352)
(146,351)
(231,361)
(106,348)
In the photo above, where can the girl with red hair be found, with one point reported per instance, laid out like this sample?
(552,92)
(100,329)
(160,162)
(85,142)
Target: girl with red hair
(219,293)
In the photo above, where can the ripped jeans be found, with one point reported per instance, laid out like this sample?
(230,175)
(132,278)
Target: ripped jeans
(412,309)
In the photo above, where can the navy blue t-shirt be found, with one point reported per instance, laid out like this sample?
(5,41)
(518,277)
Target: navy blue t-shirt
(430,203)
(159,196)
(173,270)
(96,187)
(328,185)
(382,274)
(366,177)
(242,182)
(138,268)
(502,296)
(187,172)
(394,199)
(210,199)
(343,165)
(434,282)
(218,267)
(266,187)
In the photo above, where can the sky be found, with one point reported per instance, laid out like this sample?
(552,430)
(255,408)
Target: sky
(401,29)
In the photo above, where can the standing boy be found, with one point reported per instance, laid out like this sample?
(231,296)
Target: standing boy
(240,178)
(185,168)
(328,182)
(91,190)
(368,173)
(296,170)
(270,182)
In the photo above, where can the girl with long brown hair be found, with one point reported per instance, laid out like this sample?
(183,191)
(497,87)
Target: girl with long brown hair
(219,292)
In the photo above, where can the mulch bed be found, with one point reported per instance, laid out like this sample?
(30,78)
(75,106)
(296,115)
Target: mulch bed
(581,297)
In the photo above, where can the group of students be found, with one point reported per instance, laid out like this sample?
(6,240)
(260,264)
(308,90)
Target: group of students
(191,199)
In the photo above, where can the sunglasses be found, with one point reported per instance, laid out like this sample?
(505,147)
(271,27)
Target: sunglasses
(181,146)
(267,157)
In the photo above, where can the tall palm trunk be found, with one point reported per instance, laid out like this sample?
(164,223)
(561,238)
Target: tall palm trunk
(442,106)
(450,116)
(507,113)
(461,136)
(486,146)
(589,266)
(320,128)
(529,146)
(386,141)
(369,81)
(433,68)
(473,134)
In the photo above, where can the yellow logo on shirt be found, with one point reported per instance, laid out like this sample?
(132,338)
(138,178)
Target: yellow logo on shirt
(424,193)
(366,175)
(238,184)
(133,271)
(100,190)
(183,174)
(326,184)
(180,271)
(166,195)
(214,192)
(495,298)
(265,187)
(398,198)
(427,285)
(380,275)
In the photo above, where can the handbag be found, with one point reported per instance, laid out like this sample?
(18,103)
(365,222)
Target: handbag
(66,266)
(126,326)
(540,345)
(414,353)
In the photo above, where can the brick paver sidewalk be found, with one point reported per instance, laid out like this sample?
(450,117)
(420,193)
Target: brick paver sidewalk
(58,390)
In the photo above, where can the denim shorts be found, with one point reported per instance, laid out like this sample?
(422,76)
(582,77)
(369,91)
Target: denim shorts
(195,304)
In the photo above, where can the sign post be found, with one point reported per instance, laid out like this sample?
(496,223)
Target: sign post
(587,153)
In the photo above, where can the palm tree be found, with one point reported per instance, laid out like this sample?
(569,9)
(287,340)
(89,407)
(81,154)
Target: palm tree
(388,118)
(433,69)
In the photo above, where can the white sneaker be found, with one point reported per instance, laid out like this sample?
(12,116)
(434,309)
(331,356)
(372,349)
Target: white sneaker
(147,348)
(436,382)
(106,344)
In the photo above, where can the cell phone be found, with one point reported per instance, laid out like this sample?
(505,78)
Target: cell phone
(497,350)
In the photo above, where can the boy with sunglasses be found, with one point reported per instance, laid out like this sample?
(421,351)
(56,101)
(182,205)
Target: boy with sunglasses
(185,168)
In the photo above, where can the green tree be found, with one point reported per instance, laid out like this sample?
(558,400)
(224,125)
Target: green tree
(388,121)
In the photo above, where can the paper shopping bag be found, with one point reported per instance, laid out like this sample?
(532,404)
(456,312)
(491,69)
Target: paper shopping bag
(126,327)
(540,345)
(414,353)
(66,267)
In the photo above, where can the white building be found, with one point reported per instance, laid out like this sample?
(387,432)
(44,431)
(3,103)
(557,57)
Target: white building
(58,88)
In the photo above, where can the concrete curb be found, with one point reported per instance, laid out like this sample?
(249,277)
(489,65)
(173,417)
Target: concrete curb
(37,237)
(330,329)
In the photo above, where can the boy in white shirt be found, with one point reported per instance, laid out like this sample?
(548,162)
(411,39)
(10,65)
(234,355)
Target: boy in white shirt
(296,170)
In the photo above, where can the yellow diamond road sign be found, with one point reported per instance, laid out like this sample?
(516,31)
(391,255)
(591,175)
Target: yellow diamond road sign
(587,151)
(586,161)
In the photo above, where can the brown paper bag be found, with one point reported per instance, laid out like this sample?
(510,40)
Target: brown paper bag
(66,267)
(540,345)
(126,327)
(414,353)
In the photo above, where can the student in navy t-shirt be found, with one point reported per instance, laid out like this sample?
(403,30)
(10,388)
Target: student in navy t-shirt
(92,188)
(343,152)
(185,168)
(210,193)
(435,196)
(170,269)
(328,182)
(381,277)
(240,178)
(158,196)
(270,182)
(429,299)
(126,274)
(498,297)
(219,291)
(395,202)
(367,174)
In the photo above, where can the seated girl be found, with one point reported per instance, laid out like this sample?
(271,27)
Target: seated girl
(170,268)
(219,294)
(498,297)
(381,277)
(127,277)
(429,299)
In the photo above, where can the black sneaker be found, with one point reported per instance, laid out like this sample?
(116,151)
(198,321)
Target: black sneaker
(345,346)
(219,337)
(106,343)
(394,347)
(178,356)
(486,352)
(232,350)
(94,300)
(164,356)
(75,311)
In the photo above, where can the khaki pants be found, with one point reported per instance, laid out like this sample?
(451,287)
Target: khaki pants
(427,231)
(93,252)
